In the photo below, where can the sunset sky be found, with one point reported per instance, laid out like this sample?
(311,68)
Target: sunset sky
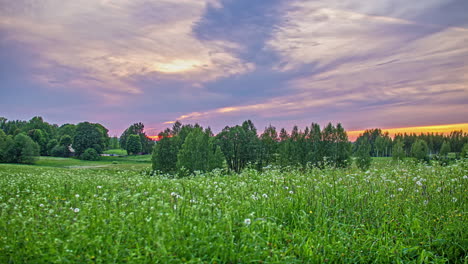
(366,64)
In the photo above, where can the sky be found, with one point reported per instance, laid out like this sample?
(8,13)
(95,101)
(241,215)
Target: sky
(365,64)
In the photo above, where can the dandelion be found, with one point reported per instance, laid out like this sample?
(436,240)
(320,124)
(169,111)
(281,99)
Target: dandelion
(291,192)
(77,210)
(41,205)
(400,189)
(247,221)
(265,195)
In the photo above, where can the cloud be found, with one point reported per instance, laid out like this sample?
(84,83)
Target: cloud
(363,63)
(108,45)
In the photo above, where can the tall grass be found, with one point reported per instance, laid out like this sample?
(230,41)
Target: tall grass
(390,214)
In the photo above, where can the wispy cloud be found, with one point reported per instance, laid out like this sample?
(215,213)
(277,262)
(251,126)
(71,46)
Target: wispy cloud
(365,58)
(108,44)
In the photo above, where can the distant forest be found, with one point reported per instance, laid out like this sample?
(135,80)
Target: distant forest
(184,149)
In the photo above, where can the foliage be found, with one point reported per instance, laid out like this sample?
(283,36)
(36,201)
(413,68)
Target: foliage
(89,135)
(24,150)
(60,151)
(133,145)
(445,149)
(114,143)
(268,146)
(90,154)
(464,152)
(363,157)
(420,150)
(6,143)
(398,153)
(66,141)
(412,213)
(164,157)
(136,129)
(199,153)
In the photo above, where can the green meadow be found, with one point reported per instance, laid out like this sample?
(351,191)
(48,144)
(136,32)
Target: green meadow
(113,211)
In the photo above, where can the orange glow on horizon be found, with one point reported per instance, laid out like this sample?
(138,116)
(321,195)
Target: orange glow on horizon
(441,129)
(157,137)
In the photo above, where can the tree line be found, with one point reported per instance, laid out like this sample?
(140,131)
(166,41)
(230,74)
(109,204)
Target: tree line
(22,141)
(188,148)
(184,149)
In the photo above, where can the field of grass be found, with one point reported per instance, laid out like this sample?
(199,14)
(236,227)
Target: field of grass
(128,162)
(405,213)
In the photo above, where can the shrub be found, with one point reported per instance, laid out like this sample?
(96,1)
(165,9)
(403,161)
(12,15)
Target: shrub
(90,154)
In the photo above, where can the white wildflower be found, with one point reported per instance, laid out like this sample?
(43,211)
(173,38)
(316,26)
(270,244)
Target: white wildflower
(291,192)
(454,199)
(41,205)
(76,210)
(99,186)
(265,195)
(247,221)
(77,195)
(400,189)
(419,183)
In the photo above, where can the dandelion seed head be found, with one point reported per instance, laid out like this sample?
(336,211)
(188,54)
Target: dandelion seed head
(247,221)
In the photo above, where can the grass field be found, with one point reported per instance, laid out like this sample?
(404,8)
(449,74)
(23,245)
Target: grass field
(405,213)
(128,162)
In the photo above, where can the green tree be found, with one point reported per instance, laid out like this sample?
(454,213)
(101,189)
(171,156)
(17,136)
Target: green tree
(464,152)
(6,143)
(41,138)
(363,157)
(114,143)
(398,151)
(24,150)
(240,145)
(445,149)
(193,156)
(66,129)
(51,145)
(215,155)
(89,135)
(268,146)
(284,149)
(90,154)
(66,141)
(315,155)
(343,156)
(164,158)
(420,150)
(133,144)
(137,129)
